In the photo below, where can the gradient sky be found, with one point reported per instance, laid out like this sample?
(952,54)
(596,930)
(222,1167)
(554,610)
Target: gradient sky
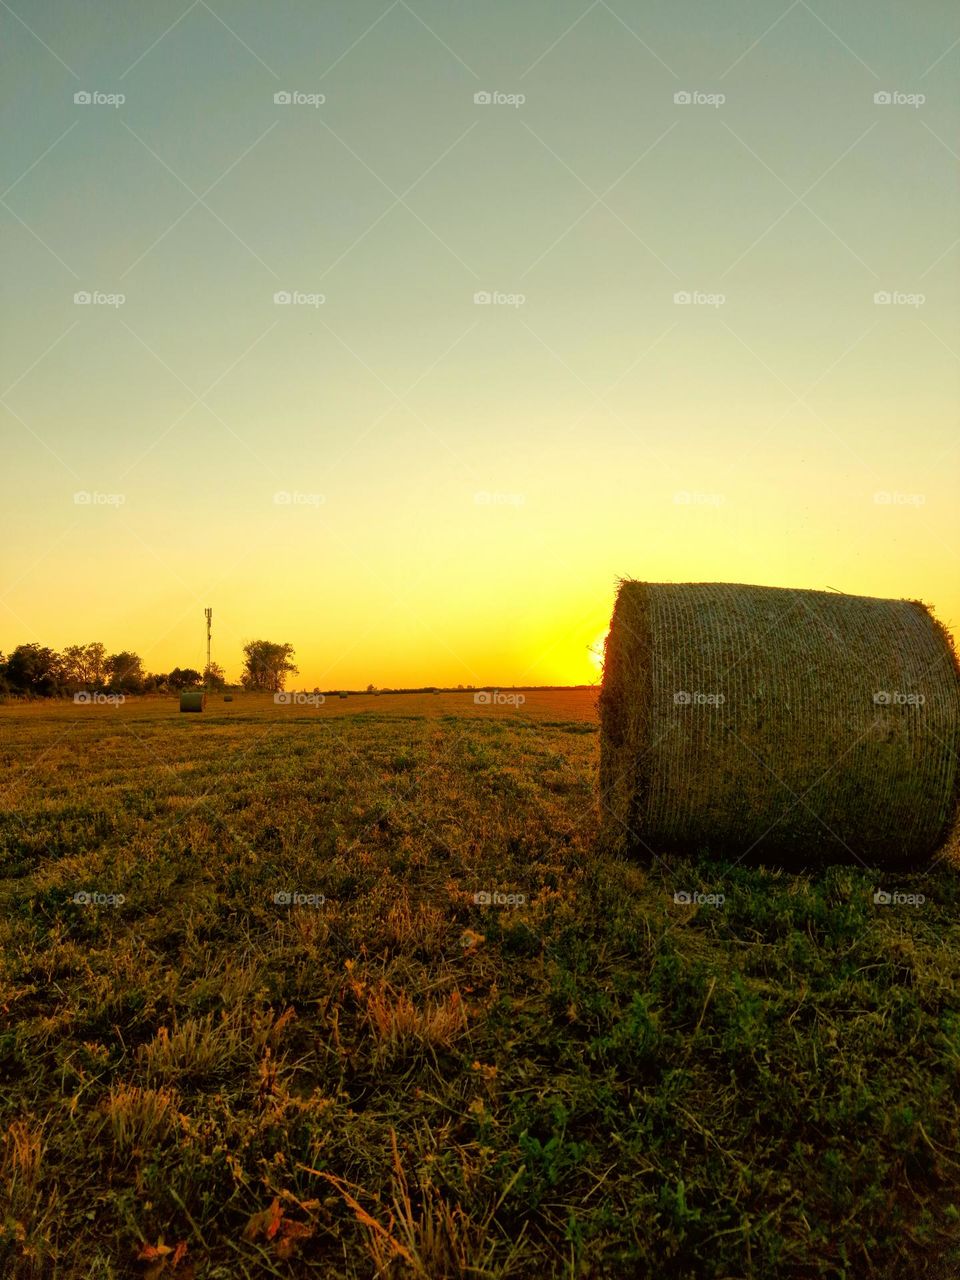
(612,430)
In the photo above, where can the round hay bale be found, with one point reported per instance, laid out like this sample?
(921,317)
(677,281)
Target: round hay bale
(798,727)
(344,695)
(192,700)
(228,697)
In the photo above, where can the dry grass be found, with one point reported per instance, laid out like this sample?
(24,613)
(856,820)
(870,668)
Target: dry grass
(399,1026)
(140,1119)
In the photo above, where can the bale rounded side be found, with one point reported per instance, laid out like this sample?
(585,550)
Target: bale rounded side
(192,700)
(764,722)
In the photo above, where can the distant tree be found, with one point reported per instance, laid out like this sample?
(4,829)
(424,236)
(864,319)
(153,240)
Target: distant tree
(183,678)
(74,666)
(84,666)
(371,688)
(267,665)
(125,672)
(33,668)
(214,677)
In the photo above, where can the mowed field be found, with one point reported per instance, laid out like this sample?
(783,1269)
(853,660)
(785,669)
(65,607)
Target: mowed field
(280,1036)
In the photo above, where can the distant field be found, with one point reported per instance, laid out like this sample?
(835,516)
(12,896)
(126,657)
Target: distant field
(387,1077)
(553,704)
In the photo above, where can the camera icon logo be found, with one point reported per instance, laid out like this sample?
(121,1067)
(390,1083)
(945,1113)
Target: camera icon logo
(882,698)
(682,699)
(82,498)
(82,697)
(82,98)
(682,897)
(483,98)
(483,698)
(682,299)
(882,898)
(882,98)
(483,898)
(282,99)
(282,898)
(482,299)
(682,98)
(282,298)
(283,699)
(882,298)
(82,299)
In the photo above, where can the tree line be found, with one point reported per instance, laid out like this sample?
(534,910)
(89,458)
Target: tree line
(34,670)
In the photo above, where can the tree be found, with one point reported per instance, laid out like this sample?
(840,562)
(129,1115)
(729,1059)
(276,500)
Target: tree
(183,678)
(33,668)
(214,677)
(125,672)
(267,665)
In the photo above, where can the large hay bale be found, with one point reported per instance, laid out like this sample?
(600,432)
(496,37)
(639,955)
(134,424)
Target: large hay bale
(192,700)
(794,726)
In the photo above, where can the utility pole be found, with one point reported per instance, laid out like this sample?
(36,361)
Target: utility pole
(209,616)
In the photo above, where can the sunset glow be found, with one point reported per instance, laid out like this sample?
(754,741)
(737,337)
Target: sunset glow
(470,411)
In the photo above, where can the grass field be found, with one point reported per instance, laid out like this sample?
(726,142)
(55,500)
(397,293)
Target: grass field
(389,1078)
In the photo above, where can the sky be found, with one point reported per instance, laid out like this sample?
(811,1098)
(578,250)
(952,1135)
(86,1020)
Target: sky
(503,303)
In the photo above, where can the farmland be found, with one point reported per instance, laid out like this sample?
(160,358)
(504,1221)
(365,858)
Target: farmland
(280,1037)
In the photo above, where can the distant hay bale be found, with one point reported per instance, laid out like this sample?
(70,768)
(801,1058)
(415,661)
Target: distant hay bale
(228,697)
(344,694)
(798,727)
(192,700)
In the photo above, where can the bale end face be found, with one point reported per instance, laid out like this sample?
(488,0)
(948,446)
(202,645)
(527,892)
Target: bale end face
(192,700)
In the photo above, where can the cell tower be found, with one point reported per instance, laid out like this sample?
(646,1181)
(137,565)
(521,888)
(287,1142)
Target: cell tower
(209,616)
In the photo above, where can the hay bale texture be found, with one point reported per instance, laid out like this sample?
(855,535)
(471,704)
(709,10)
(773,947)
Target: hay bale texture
(776,724)
(192,700)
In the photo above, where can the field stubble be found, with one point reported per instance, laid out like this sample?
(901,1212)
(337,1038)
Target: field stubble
(388,1077)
